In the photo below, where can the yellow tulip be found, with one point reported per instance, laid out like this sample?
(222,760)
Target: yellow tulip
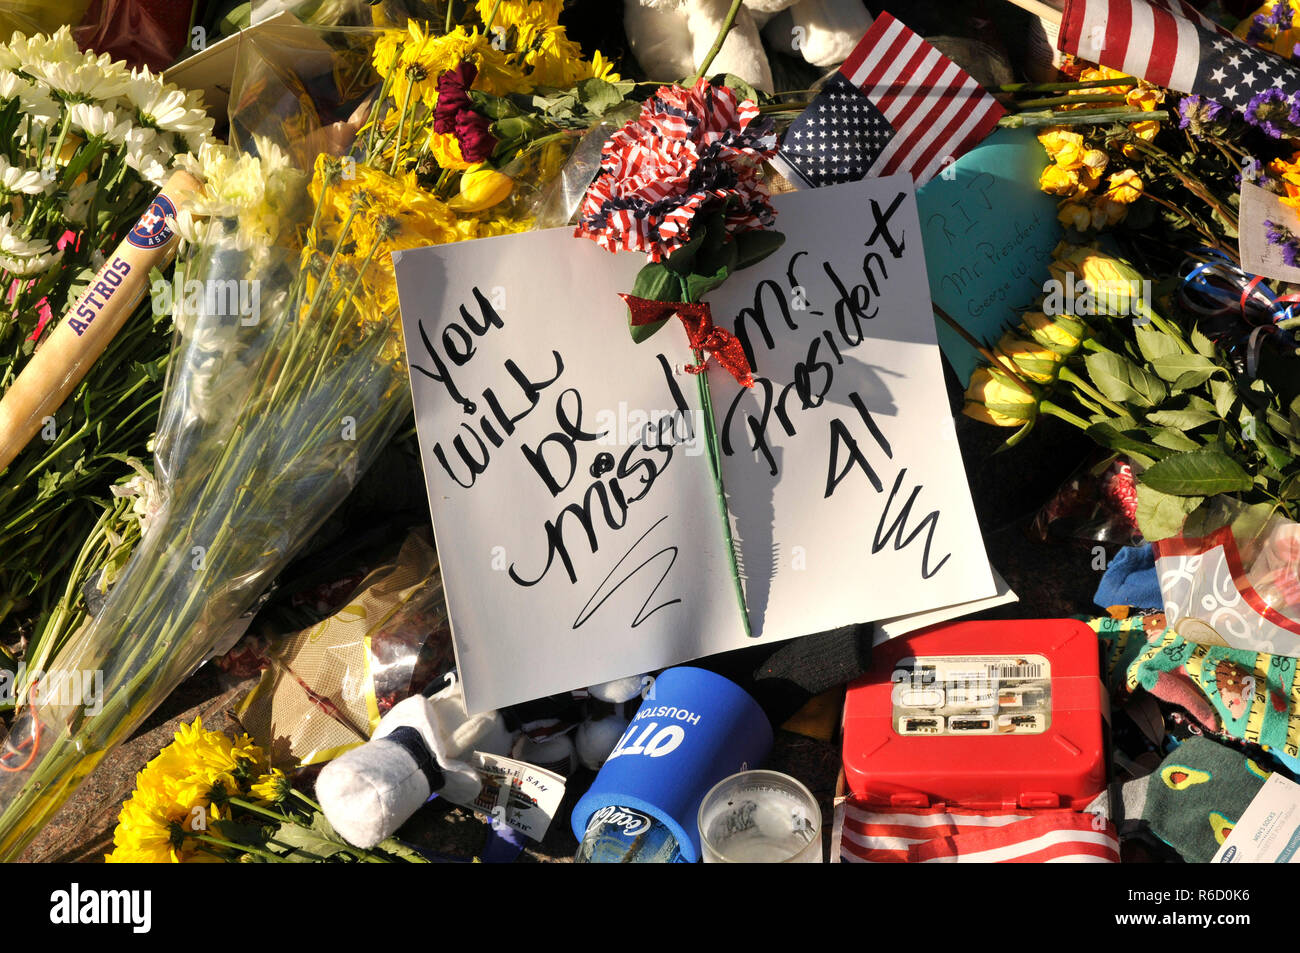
(481,187)
(992,397)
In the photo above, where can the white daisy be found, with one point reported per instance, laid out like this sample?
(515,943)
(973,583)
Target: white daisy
(165,107)
(85,79)
(30,266)
(15,180)
(14,246)
(97,122)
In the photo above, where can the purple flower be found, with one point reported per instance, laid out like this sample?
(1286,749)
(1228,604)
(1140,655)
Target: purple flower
(1284,238)
(1266,26)
(1276,112)
(1196,113)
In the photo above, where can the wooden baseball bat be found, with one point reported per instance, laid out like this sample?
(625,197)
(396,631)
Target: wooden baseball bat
(91,322)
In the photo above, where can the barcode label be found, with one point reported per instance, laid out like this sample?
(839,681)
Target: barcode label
(1020,671)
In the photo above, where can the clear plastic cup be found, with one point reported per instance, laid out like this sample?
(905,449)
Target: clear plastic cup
(760,817)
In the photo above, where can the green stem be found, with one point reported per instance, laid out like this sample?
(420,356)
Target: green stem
(727,23)
(1048,407)
(715,465)
(1064,86)
(1078,117)
(492,17)
(1053,101)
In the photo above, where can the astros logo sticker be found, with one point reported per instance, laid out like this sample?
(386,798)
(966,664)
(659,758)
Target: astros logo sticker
(151,230)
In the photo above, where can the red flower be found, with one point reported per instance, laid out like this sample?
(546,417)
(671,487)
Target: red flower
(688,150)
(453,96)
(455,113)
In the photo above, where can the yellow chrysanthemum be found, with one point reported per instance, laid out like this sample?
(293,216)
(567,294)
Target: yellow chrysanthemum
(273,787)
(174,794)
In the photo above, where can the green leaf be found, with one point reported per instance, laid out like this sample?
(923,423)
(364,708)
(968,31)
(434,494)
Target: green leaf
(1197,473)
(599,96)
(1155,344)
(1290,488)
(1172,439)
(1161,515)
(740,87)
(1182,419)
(1225,395)
(656,283)
(753,247)
(1112,375)
(1202,344)
(401,851)
(1113,439)
(1186,370)
(316,843)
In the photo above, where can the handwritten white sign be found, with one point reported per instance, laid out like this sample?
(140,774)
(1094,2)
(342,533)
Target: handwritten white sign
(577,523)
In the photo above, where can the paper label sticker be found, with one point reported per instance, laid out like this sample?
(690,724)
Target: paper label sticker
(520,795)
(1269,830)
(947,695)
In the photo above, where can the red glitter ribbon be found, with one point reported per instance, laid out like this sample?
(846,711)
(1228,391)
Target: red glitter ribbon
(701,333)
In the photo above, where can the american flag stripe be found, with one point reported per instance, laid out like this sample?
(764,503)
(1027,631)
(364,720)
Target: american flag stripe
(958,835)
(1157,40)
(896,105)
(908,81)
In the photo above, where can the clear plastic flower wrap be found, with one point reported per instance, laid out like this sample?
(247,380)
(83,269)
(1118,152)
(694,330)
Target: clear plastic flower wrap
(282,388)
(287,376)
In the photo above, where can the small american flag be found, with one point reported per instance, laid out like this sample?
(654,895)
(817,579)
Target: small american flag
(1172,45)
(896,105)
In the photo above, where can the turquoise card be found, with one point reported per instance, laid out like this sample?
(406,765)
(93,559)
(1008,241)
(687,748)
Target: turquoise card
(988,234)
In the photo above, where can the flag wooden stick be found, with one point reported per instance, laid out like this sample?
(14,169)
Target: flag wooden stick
(91,323)
(1040,9)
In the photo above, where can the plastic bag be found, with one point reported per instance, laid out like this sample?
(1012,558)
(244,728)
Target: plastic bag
(1233,579)
(327,686)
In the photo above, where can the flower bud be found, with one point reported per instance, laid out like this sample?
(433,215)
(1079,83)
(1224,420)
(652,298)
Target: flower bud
(481,187)
(1116,287)
(1032,360)
(1063,334)
(992,397)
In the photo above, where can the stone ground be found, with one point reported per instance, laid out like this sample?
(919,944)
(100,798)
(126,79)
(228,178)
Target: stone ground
(1052,579)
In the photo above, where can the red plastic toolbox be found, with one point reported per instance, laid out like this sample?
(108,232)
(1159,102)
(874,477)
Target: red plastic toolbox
(980,714)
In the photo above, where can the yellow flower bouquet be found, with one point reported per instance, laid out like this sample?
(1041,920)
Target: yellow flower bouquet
(288,375)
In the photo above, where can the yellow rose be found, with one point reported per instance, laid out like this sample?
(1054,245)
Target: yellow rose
(1095,160)
(481,187)
(1056,139)
(1062,333)
(994,398)
(1112,212)
(1075,215)
(1058,181)
(1033,360)
(1071,155)
(1145,130)
(1144,97)
(1118,289)
(1124,187)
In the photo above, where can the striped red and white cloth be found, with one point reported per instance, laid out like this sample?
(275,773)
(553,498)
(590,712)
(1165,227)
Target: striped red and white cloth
(1170,44)
(950,835)
(896,105)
